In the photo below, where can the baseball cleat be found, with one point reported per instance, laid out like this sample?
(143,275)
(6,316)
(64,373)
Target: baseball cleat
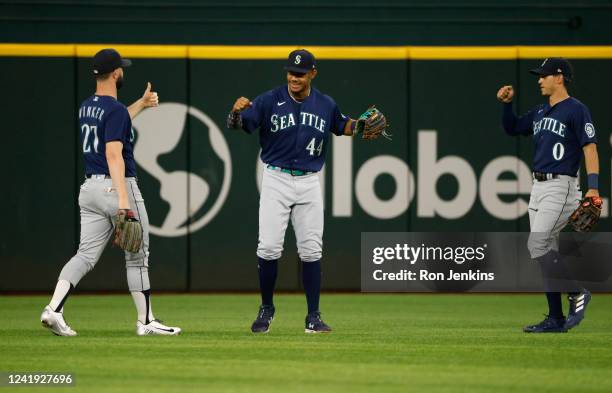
(55,322)
(578,304)
(263,320)
(548,325)
(155,327)
(314,324)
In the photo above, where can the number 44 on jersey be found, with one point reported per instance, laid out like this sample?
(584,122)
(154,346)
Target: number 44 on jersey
(312,149)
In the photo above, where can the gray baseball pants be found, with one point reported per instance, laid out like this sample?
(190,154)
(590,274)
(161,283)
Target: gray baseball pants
(550,206)
(285,197)
(99,204)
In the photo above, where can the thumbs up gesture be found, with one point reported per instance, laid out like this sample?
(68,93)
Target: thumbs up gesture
(150,98)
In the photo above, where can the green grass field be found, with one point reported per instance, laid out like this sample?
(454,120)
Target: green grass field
(380,343)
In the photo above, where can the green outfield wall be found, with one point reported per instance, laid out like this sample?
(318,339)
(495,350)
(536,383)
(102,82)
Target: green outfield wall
(449,167)
(315,22)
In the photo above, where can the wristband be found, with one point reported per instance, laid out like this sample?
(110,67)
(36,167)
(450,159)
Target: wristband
(593,181)
(353,126)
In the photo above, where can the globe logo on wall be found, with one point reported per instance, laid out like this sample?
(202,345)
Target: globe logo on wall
(193,190)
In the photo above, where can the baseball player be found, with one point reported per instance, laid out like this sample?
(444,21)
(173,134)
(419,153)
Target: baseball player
(295,122)
(562,131)
(107,143)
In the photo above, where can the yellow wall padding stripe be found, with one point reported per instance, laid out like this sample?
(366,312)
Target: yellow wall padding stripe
(38,50)
(571,52)
(136,51)
(463,53)
(281,52)
(321,52)
(238,52)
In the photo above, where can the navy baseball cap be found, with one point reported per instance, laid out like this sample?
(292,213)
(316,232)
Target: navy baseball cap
(301,61)
(108,60)
(554,66)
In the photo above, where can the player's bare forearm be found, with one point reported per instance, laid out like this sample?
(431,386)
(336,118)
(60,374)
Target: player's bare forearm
(348,127)
(116,167)
(136,108)
(591,160)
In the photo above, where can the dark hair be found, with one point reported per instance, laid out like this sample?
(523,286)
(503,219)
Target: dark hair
(102,77)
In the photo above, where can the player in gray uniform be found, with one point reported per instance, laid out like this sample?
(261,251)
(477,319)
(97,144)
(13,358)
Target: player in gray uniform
(295,122)
(107,143)
(563,131)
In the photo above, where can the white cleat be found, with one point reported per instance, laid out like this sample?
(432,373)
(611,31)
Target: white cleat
(54,321)
(156,327)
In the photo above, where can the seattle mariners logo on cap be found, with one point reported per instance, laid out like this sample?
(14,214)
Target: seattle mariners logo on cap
(300,61)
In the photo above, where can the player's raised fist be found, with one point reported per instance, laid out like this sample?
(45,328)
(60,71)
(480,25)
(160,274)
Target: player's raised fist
(150,98)
(505,94)
(241,104)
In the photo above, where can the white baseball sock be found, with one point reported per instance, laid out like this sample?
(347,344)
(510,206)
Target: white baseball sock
(143,305)
(62,290)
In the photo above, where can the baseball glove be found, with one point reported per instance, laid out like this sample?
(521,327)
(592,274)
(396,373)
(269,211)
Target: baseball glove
(128,231)
(586,216)
(372,124)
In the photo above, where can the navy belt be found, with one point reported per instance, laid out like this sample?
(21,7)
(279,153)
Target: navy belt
(292,172)
(102,175)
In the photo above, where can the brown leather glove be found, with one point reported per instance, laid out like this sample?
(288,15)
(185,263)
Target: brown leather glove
(372,124)
(586,216)
(128,231)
